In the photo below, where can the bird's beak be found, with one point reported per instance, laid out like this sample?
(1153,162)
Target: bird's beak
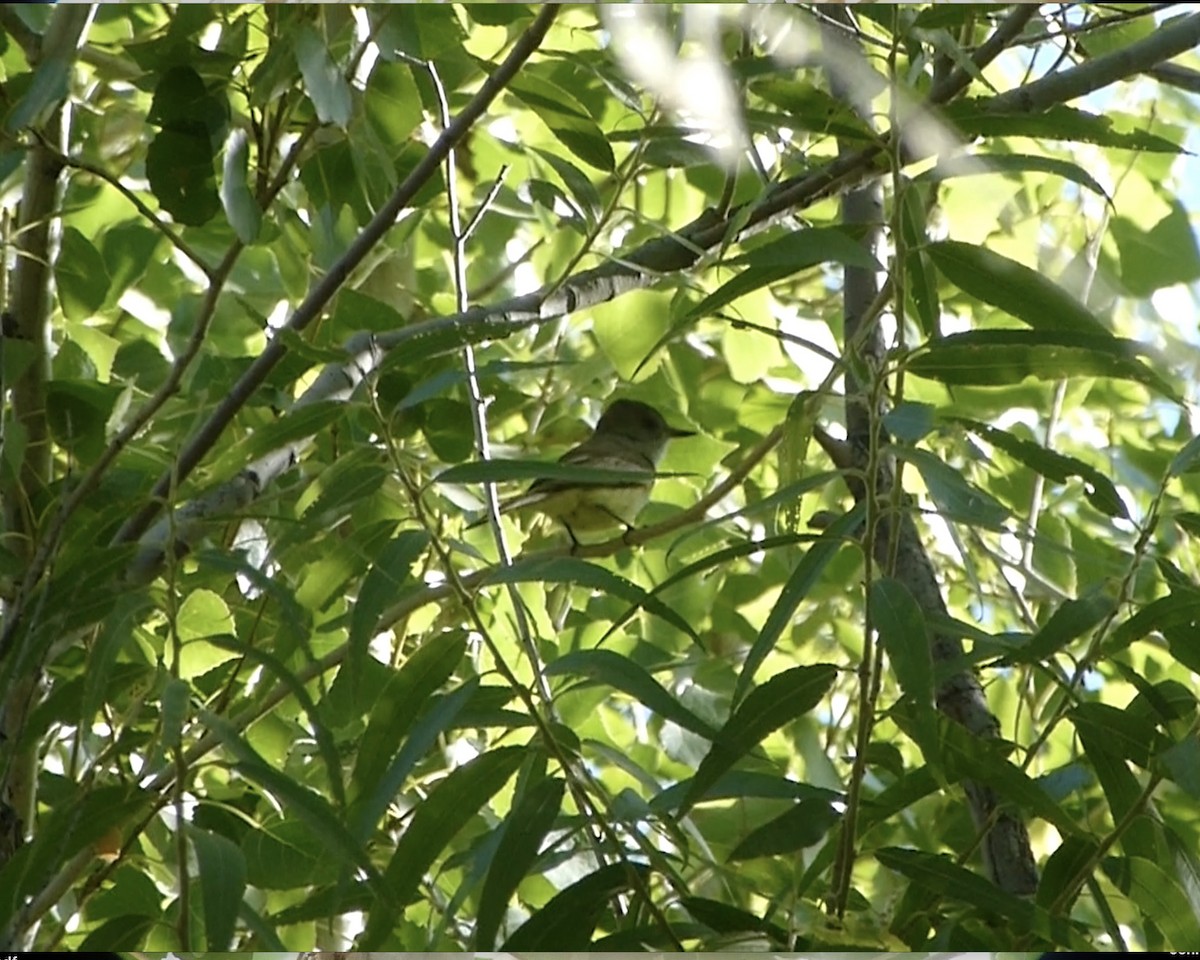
(676,432)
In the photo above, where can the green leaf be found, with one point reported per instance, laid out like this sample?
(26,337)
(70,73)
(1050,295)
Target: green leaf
(808,107)
(1162,256)
(449,806)
(724,918)
(1014,288)
(569,919)
(583,191)
(741,785)
(1063,866)
(1003,163)
(956,497)
(222,884)
(524,830)
(909,421)
(1124,733)
(1182,763)
(779,259)
(323,81)
(179,168)
(940,874)
(808,571)
(621,673)
(1159,897)
(1071,620)
(808,822)
(431,664)
(1001,357)
(781,699)
(967,756)
(975,119)
(1100,491)
(79,820)
(306,804)
(567,119)
(391,570)
(902,630)
(370,806)
(240,206)
(419,30)
(573,570)
(1121,787)
(393,104)
(80,275)
(920,276)
(47,89)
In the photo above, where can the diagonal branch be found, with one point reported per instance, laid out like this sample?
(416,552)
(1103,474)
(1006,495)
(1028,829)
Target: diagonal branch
(328,285)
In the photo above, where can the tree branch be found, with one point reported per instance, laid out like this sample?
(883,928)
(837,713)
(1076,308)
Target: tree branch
(635,270)
(320,294)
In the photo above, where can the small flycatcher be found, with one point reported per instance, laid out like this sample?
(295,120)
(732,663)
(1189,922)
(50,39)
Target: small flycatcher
(631,436)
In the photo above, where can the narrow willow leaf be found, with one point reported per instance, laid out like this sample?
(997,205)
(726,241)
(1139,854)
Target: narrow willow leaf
(808,822)
(1100,491)
(573,570)
(975,119)
(1159,896)
(424,672)
(1026,294)
(779,259)
(940,874)
(1071,620)
(448,808)
(569,919)
(1121,787)
(781,699)
(969,756)
(902,630)
(996,358)
(222,883)
(621,673)
(724,918)
(1063,866)
(984,163)
(390,571)
(955,496)
(806,574)
(371,805)
(304,803)
(567,119)
(524,830)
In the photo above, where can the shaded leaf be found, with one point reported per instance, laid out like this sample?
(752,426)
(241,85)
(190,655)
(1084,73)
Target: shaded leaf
(955,496)
(1026,294)
(808,822)
(781,699)
(323,81)
(1099,489)
(1001,357)
(524,830)
(802,580)
(573,570)
(448,808)
(568,920)
(621,673)
(222,883)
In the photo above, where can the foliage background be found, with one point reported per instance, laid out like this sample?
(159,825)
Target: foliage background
(303,705)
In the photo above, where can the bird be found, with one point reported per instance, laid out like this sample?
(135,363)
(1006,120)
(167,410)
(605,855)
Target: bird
(630,436)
